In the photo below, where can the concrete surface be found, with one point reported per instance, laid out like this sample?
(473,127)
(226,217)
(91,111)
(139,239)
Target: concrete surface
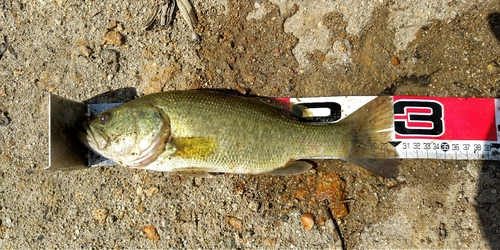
(274,48)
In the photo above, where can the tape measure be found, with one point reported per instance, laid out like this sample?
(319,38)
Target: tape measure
(445,128)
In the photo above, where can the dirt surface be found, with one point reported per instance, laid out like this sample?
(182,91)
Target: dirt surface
(79,49)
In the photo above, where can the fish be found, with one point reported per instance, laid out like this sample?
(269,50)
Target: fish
(205,131)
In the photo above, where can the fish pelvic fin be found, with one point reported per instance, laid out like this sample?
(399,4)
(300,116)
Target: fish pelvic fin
(195,172)
(371,129)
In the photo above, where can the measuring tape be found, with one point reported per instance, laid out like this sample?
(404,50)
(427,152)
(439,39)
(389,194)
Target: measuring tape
(424,127)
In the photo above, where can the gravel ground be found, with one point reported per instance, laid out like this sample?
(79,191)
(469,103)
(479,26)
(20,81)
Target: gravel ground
(80,49)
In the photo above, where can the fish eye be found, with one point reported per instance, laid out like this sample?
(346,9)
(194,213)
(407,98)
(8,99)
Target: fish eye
(104,118)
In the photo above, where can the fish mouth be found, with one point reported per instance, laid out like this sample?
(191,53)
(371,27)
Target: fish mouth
(135,157)
(87,137)
(146,156)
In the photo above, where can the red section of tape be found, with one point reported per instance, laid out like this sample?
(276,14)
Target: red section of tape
(284,100)
(444,118)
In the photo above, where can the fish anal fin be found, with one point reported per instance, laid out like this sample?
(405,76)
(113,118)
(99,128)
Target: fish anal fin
(292,167)
(387,168)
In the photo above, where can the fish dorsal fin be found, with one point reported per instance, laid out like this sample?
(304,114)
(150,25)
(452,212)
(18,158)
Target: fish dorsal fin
(193,147)
(292,167)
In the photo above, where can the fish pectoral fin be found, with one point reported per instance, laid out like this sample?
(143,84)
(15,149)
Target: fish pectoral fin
(195,172)
(193,147)
(292,167)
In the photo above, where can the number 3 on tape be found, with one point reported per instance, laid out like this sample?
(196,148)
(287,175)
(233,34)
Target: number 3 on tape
(418,117)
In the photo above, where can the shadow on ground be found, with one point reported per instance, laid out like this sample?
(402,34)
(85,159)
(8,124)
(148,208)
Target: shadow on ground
(494,22)
(488,189)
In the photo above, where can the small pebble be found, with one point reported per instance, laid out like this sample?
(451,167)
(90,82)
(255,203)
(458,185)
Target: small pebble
(254,206)
(141,209)
(284,218)
(289,88)
(492,67)
(307,221)
(395,61)
(251,78)
(85,50)
(151,233)
(100,215)
(243,91)
(195,37)
(114,37)
(120,27)
(269,242)
(109,56)
(238,191)
(321,221)
(301,193)
(151,191)
(235,222)
(112,25)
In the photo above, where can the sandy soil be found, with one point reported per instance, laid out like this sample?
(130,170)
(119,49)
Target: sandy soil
(274,48)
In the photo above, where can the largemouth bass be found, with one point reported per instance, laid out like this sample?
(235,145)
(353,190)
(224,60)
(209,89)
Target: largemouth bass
(208,131)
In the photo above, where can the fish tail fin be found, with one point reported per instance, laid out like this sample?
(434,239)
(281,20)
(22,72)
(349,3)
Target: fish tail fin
(371,129)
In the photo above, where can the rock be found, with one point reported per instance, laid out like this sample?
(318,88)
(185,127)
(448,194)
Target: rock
(269,242)
(301,193)
(284,218)
(110,59)
(141,209)
(151,191)
(109,56)
(112,24)
(395,61)
(114,38)
(100,215)
(235,222)
(151,233)
(85,50)
(253,205)
(251,78)
(307,221)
